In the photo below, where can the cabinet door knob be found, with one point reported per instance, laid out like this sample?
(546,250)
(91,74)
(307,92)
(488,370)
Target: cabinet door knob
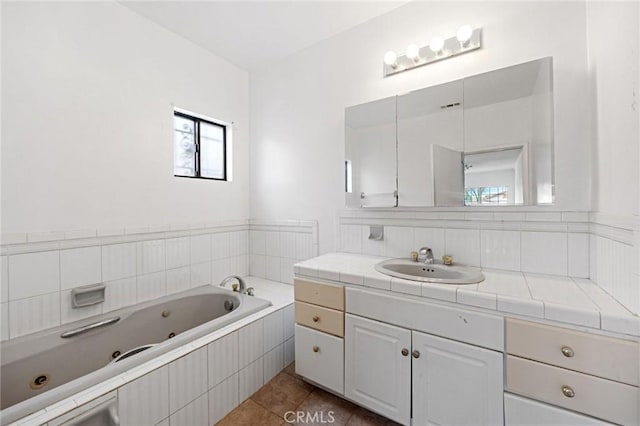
(315,318)
(316,349)
(416,354)
(568,392)
(405,352)
(567,351)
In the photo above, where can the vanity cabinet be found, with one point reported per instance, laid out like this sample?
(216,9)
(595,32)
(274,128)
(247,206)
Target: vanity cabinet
(591,374)
(319,331)
(519,411)
(420,379)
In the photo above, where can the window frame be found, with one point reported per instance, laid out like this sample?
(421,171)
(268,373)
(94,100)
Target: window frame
(196,138)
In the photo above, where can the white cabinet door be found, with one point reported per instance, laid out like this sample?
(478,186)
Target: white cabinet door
(519,411)
(455,383)
(377,374)
(320,358)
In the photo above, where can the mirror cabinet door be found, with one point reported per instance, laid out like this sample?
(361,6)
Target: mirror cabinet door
(430,145)
(508,136)
(371,149)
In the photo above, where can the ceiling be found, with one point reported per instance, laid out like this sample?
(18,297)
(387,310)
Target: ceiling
(254,34)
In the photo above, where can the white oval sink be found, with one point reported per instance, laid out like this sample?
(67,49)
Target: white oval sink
(435,273)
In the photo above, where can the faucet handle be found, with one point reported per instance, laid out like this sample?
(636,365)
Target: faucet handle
(234,287)
(250,291)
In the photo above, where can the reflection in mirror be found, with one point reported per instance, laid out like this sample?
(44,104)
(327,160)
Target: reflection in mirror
(508,108)
(370,163)
(494,178)
(430,144)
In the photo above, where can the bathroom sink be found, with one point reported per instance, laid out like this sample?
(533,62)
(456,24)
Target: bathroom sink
(434,273)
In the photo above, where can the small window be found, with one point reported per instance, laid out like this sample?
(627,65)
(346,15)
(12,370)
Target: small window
(199,147)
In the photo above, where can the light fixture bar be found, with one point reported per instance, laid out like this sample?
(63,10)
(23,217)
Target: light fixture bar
(451,47)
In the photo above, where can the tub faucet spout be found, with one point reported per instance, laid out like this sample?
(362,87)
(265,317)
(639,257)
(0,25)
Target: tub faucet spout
(242,285)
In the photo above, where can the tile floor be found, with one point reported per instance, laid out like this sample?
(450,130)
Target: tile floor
(287,392)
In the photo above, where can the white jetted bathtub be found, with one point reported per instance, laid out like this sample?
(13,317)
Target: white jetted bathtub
(78,355)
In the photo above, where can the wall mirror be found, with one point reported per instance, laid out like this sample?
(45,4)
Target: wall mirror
(485,140)
(370,157)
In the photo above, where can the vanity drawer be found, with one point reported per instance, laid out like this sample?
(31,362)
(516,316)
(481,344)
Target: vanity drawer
(323,319)
(320,358)
(601,398)
(602,356)
(327,295)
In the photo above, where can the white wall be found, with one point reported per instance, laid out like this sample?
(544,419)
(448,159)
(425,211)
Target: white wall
(297,105)
(614,77)
(613,33)
(88,90)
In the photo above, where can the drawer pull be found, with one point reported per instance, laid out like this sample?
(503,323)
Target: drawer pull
(405,352)
(567,351)
(315,318)
(316,349)
(416,354)
(568,392)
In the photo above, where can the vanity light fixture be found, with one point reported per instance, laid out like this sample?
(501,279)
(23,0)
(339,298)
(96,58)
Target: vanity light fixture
(466,40)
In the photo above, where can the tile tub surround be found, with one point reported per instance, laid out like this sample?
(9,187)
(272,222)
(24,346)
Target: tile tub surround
(560,299)
(204,379)
(39,271)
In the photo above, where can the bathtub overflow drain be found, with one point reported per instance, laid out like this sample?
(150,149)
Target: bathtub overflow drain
(39,381)
(171,335)
(166,314)
(115,354)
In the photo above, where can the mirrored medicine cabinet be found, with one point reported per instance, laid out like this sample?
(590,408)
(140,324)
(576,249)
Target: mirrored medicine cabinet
(485,140)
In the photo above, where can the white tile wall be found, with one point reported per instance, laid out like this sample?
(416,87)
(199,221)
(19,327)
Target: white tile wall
(201,274)
(276,247)
(151,286)
(273,327)
(250,343)
(81,266)
(195,413)
(500,249)
(4,279)
(4,321)
(223,359)
(351,238)
(289,351)
(463,245)
(34,274)
(119,293)
(177,252)
(223,398)
(250,379)
(145,401)
(187,379)
(544,252)
(578,255)
(33,314)
(118,261)
(178,279)
(273,362)
(151,256)
(398,241)
(200,248)
(220,245)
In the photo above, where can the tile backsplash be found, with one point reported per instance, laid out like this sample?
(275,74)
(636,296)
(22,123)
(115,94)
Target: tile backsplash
(576,244)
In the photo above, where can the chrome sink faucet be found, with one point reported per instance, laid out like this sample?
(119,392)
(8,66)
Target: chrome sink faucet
(428,255)
(242,285)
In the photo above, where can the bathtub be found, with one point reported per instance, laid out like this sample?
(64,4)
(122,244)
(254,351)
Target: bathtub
(97,348)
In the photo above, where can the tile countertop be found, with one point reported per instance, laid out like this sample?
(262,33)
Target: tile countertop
(575,301)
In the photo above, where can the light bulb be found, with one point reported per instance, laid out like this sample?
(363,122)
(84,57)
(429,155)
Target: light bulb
(413,52)
(436,44)
(464,34)
(390,59)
